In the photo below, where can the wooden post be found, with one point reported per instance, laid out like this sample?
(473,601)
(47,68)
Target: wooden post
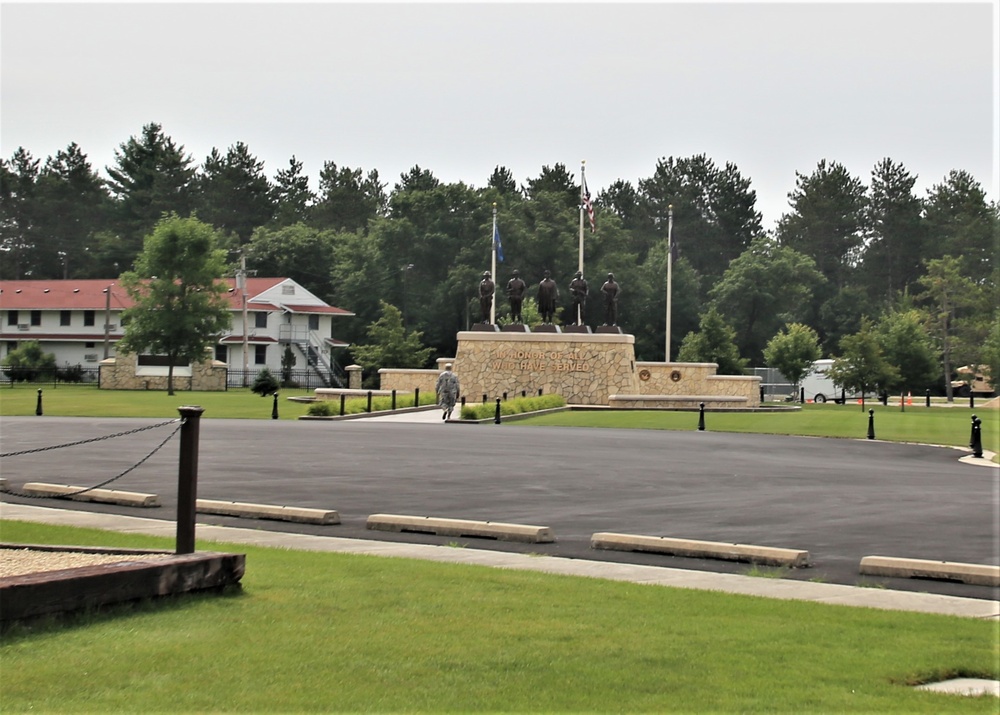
(187,478)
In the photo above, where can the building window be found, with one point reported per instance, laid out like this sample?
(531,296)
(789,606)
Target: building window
(36,317)
(222,353)
(288,289)
(260,320)
(90,345)
(11,346)
(64,317)
(260,354)
(88,318)
(314,322)
(11,317)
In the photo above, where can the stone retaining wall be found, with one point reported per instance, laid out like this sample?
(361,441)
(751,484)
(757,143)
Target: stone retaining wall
(689,378)
(123,373)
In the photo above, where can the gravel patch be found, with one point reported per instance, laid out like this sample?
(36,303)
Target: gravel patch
(19,562)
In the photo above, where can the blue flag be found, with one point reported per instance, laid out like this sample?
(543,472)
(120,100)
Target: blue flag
(496,243)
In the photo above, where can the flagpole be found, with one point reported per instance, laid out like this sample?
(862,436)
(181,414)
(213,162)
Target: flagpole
(670,264)
(493,267)
(583,181)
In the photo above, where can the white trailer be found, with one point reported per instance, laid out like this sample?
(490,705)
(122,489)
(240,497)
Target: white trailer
(819,387)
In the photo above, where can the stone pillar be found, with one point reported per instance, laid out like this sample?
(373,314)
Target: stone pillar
(354,376)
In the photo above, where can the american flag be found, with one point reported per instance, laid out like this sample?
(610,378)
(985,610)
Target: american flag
(588,205)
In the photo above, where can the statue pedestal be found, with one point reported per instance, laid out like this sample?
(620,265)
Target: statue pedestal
(546,328)
(515,328)
(585,329)
(609,330)
(485,328)
(584,368)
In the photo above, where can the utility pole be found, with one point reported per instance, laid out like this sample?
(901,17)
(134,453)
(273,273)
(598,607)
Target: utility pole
(670,265)
(107,321)
(241,285)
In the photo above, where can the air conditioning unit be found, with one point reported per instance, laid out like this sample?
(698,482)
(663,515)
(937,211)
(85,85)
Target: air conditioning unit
(23,326)
(90,357)
(111,326)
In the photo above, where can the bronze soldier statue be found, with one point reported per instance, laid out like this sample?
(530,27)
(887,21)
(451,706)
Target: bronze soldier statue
(486,290)
(611,291)
(548,293)
(515,294)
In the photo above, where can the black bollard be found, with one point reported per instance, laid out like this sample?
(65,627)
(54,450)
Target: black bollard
(871,424)
(524,393)
(701,416)
(539,392)
(972,400)
(394,400)
(927,398)
(902,402)
(416,397)
(496,418)
(485,398)
(38,405)
(761,393)
(505,397)
(976,441)
(343,400)
(274,407)
(802,396)
(463,401)
(187,478)
(369,407)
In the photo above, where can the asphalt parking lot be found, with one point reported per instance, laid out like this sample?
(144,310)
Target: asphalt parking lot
(839,499)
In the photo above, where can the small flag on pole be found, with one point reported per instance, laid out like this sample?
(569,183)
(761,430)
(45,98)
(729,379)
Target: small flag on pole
(588,205)
(496,243)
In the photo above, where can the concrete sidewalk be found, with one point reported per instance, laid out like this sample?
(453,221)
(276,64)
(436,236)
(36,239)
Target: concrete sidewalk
(834,594)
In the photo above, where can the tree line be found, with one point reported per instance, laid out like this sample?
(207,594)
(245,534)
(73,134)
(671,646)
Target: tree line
(851,254)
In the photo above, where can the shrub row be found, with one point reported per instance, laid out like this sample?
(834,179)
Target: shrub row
(516,406)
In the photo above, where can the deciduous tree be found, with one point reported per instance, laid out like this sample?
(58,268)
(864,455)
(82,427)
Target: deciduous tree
(179,304)
(907,346)
(947,293)
(765,287)
(793,351)
(861,365)
(714,342)
(390,344)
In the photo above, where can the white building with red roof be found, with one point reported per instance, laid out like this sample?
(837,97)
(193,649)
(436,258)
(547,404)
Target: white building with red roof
(79,321)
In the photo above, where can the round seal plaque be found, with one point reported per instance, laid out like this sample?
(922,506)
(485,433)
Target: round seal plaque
(675,376)
(644,374)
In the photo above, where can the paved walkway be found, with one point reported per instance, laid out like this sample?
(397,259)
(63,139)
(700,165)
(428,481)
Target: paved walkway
(652,575)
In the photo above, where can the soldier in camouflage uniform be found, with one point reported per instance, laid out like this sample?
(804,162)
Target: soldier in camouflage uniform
(447,391)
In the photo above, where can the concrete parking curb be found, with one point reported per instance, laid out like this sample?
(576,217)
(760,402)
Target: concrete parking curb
(978,574)
(104,496)
(461,527)
(766,555)
(296,514)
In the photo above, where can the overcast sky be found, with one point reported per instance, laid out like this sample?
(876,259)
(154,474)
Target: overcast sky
(461,88)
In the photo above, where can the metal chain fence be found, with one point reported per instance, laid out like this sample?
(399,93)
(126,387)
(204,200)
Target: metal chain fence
(179,422)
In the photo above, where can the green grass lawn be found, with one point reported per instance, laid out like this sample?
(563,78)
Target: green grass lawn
(928,425)
(336,632)
(77,401)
